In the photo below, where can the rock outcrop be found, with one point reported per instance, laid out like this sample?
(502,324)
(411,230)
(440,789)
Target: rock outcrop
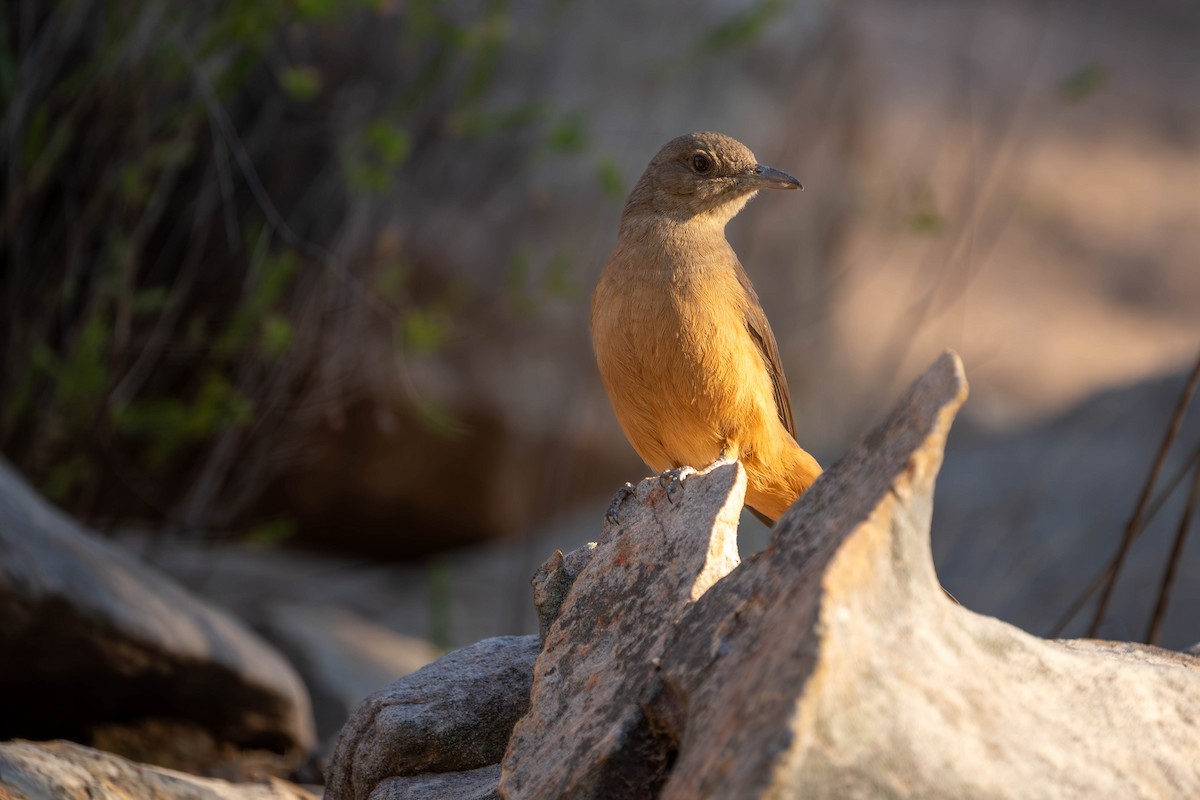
(68,771)
(829,665)
(95,644)
(453,716)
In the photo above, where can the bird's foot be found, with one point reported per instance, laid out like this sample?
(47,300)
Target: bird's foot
(727,455)
(672,481)
(614,508)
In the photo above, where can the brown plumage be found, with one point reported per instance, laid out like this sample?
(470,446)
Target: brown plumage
(684,348)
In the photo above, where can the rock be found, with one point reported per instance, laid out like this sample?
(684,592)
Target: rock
(476,784)
(849,674)
(92,641)
(454,715)
(68,771)
(585,735)
(342,657)
(553,580)
(832,665)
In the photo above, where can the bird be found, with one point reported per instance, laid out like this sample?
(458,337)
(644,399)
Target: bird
(682,344)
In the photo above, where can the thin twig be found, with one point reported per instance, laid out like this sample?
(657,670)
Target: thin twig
(1152,511)
(1164,591)
(1135,521)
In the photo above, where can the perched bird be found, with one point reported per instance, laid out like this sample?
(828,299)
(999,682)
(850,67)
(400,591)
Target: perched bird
(689,361)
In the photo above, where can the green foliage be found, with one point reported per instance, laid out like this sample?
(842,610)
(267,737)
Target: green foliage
(371,163)
(925,218)
(1083,83)
(169,211)
(424,331)
(270,534)
(169,425)
(300,83)
(609,176)
(569,135)
(742,29)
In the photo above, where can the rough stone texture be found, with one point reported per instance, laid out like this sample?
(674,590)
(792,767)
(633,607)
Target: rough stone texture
(552,582)
(68,771)
(342,657)
(454,715)
(848,673)
(585,735)
(831,664)
(476,784)
(90,638)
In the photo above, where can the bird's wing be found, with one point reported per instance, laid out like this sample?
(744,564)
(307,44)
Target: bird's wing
(760,332)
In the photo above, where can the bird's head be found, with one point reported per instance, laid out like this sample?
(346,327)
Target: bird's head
(703,175)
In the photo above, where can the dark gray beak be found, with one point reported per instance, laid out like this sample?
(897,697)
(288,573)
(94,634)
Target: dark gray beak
(764,177)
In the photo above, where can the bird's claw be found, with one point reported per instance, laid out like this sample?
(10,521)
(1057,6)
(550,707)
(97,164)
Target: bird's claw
(671,481)
(614,508)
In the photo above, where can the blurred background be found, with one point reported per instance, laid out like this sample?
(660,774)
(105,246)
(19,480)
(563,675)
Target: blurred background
(295,292)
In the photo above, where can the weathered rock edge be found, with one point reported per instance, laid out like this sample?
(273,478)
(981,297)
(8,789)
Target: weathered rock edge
(90,636)
(68,771)
(832,665)
(451,717)
(829,665)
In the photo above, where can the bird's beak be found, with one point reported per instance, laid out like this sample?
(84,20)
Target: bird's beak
(764,177)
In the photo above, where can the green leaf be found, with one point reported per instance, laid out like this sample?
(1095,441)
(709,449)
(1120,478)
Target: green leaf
(301,83)
(65,477)
(559,281)
(742,29)
(1083,82)
(424,331)
(611,183)
(82,378)
(270,534)
(569,135)
(150,301)
(434,416)
(389,142)
(277,335)
(472,123)
(926,221)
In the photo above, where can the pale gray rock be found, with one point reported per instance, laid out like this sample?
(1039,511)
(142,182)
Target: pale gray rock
(454,715)
(848,673)
(91,638)
(69,771)
(832,664)
(475,784)
(585,734)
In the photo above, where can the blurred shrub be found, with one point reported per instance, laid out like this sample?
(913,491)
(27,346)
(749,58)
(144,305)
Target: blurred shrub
(178,178)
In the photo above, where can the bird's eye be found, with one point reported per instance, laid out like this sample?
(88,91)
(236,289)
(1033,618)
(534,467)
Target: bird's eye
(701,163)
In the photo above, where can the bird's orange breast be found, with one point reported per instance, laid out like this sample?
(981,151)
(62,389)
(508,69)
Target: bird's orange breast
(682,373)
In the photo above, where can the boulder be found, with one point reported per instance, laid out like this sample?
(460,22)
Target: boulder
(832,665)
(475,784)
(454,715)
(849,674)
(68,771)
(585,734)
(95,643)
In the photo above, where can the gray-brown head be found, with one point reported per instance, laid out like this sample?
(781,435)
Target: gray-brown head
(703,175)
